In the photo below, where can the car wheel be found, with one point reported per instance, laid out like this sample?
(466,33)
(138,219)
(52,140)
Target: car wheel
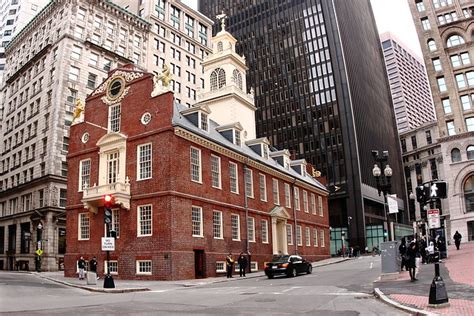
(310,269)
(270,276)
(292,273)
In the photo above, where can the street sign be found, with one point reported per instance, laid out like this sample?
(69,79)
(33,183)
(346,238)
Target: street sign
(39,252)
(392,203)
(108,244)
(433,219)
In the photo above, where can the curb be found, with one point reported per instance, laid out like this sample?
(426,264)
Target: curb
(413,311)
(90,289)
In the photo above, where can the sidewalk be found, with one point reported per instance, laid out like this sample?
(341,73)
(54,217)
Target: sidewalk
(457,272)
(124,286)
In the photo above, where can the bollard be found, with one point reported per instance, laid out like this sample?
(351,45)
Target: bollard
(438,295)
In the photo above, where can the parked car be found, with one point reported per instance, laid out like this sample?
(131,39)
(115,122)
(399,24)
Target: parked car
(288,265)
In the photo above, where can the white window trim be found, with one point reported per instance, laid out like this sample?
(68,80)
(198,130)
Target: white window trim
(315,237)
(250,172)
(322,240)
(200,165)
(296,196)
(299,231)
(308,236)
(220,172)
(223,270)
(320,206)
(238,227)
(290,241)
(138,221)
(80,172)
(221,225)
(236,177)
(276,197)
(305,201)
(138,267)
(253,266)
(105,267)
(138,161)
(287,197)
(79,236)
(266,225)
(201,228)
(313,203)
(252,220)
(260,177)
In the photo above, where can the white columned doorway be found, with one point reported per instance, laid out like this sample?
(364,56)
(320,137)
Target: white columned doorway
(279,217)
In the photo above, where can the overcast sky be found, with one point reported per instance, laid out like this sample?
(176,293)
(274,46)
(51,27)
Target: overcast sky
(391,15)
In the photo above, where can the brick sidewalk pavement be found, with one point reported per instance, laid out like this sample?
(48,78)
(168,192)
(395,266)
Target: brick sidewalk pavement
(461,263)
(458,274)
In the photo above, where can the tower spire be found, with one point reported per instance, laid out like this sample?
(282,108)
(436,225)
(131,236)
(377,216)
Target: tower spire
(222,18)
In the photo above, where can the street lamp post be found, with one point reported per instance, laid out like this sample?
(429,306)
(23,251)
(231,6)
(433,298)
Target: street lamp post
(383,181)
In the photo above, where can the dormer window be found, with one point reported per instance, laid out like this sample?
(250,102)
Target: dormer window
(286,162)
(265,151)
(204,121)
(237,139)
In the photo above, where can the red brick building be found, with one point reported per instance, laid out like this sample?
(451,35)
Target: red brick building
(188,189)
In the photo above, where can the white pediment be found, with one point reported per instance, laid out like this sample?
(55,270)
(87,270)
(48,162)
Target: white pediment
(279,211)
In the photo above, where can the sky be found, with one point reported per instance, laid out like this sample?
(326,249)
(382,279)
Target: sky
(391,16)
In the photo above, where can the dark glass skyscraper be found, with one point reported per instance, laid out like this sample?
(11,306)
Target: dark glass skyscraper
(321,90)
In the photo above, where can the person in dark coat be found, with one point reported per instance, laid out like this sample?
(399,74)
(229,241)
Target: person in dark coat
(93,266)
(411,260)
(81,264)
(422,248)
(242,264)
(229,264)
(457,239)
(402,249)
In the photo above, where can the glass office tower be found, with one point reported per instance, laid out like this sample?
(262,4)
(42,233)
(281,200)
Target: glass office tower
(321,90)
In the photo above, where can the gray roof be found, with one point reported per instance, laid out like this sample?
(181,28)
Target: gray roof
(214,136)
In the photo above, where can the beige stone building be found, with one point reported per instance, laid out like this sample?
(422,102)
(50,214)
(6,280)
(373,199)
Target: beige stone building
(180,37)
(446,30)
(61,55)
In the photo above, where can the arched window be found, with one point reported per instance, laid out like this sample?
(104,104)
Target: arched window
(431,45)
(217,79)
(219,47)
(454,40)
(469,194)
(237,78)
(455,155)
(470,152)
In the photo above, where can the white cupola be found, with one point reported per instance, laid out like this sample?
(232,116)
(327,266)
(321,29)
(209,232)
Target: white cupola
(225,85)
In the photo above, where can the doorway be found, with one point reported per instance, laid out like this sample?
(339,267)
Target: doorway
(199,264)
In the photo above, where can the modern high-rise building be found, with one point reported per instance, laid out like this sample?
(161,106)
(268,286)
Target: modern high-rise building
(445,30)
(61,55)
(411,95)
(14,15)
(321,90)
(179,37)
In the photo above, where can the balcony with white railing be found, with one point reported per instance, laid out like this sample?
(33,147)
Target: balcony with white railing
(92,197)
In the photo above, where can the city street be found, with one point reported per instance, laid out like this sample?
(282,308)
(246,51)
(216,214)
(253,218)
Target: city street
(338,289)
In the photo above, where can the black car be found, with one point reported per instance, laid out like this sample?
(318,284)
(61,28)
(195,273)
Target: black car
(288,265)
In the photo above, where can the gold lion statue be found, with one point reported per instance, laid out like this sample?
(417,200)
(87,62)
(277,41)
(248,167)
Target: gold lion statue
(78,110)
(164,77)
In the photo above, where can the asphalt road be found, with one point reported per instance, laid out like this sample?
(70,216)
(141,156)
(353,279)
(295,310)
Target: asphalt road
(338,289)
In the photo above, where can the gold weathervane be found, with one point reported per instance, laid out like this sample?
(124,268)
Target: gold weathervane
(78,110)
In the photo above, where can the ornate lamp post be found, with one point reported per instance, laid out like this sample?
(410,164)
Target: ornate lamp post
(383,181)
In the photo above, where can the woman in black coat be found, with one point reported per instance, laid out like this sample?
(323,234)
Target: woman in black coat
(411,262)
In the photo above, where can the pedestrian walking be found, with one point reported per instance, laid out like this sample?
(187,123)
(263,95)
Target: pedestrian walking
(230,264)
(422,247)
(81,264)
(242,261)
(442,247)
(93,266)
(411,260)
(402,249)
(457,239)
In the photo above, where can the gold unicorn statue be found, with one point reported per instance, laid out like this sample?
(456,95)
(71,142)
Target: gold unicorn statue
(78,110)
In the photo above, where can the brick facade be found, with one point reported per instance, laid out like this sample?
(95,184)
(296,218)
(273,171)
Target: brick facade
(171,194)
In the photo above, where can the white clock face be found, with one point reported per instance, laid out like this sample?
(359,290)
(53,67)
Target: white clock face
(146,118)
(85,137)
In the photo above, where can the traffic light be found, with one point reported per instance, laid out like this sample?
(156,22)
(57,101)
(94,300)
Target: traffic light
(108,201)
(438,190)
(420,194)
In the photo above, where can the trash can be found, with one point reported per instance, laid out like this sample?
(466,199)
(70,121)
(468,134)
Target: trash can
(390,257)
